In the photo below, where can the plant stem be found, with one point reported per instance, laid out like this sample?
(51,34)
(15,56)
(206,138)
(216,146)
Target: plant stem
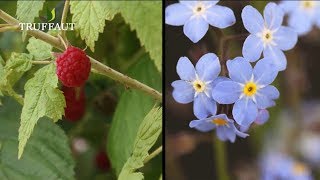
(103,69)
(220,158)
(41,62)
(64,18)
(153,154)
(8,28)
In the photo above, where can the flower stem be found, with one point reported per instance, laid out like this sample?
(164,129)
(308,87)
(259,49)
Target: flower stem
(153,154)
(64,18)
(220,158)
(103,69)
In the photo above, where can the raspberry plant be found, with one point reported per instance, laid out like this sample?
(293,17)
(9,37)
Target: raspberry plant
(51,76)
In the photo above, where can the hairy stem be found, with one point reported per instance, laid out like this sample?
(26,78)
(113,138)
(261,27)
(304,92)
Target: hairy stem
(64,18)
(103,69)
(41,62)
(153,154)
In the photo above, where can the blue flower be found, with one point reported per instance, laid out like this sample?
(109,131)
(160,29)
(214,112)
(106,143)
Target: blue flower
(196,84)
(248,88)
(275,165)
(195,16)
(302,15)
(263,117)
(267,35)
(224,126)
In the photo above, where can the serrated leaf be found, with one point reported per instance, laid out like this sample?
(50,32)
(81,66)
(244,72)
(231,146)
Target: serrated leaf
(39,49)
(15,67)
(146,18)
(148,134)
(89,18)
(47,155)
(42,98)
(132,107)
(27,11)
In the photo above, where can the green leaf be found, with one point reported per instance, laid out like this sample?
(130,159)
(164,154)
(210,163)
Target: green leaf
(39,49)
(146,18)
(27,11)
(47,155)
(15,67)
(42,98)
(132,107)
(148,134)
(89,18)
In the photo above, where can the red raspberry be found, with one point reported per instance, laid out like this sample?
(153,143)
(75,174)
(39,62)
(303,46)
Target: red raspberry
(102,161)
(73,67)
(76,103)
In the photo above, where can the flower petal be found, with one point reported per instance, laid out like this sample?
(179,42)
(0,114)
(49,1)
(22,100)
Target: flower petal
(264,72)
(252,48)
(273,15)
(177,14)
(208,67)
(263,116)
(300,22)
(189,4)
(263,101)
(204,106)
(276,56)
(195,28)
(244,111)
(221,134)
(226,92)
(202,125)
(220,16)
(185,69)
(252,19)
(285,38)
(219,79)
(270,91)
(183,92)
(239,69)
(288,6)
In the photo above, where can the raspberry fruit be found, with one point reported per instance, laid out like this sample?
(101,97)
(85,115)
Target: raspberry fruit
(102,161)
(73,67)
(76,103)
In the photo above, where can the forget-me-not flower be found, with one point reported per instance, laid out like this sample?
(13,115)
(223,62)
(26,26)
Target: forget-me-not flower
(263,117)
(267,35)
(276,165)
(195,16)
(249,89)
(302,15)
(196,84)
(224,126)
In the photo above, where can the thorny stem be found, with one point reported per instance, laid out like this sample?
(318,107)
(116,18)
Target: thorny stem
(103,69)
(153,154)
(64,18)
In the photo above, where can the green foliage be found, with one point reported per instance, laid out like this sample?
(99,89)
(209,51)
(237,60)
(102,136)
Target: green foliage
(27,11)
(39,49)
(132,107)
(89,18)
(15,67)
(47,155)
(148,133)
(146,18)
(42,98)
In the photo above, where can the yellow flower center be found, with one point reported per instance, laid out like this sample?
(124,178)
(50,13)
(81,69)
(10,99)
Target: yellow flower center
(199,86)
(308,4)
(299,168)
(250,89)
(219,122)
